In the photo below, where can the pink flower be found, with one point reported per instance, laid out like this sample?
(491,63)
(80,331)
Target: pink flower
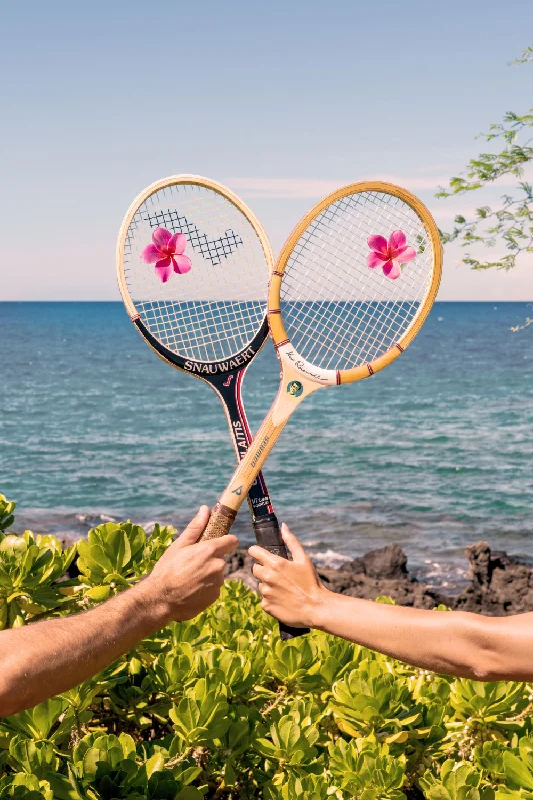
(166,253)
(391,254)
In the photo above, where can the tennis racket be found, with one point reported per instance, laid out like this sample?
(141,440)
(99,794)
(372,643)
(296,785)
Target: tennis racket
(193,266)
(352,287)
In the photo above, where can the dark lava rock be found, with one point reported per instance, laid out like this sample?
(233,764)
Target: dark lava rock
(389,563)
(499,584)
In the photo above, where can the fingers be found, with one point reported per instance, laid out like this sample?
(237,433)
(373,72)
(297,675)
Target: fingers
(224,545)
(262,573)
(296,549)
(195,528)
(263,556)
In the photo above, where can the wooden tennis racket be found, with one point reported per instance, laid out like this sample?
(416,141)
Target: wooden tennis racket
(351,289)
(193,265)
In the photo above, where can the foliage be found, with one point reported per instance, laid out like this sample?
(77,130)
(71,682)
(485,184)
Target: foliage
(221,707)
(511,224)
(6,514)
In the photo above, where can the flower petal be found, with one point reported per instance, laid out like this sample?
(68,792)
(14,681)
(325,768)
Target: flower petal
(163,269)
(161,237)
(397,241)
(375,260)
(151,254)
(177,243)
(392,269)
(182,264)
(377,243)
(405,255)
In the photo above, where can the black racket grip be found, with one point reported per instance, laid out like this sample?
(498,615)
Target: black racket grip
(268,536)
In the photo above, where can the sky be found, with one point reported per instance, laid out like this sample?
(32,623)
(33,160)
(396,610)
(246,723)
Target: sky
(281,101)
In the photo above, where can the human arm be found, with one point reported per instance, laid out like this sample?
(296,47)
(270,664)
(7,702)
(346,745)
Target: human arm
(453,643)
(46,658)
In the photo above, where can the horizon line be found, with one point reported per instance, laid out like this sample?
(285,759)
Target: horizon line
(119,302)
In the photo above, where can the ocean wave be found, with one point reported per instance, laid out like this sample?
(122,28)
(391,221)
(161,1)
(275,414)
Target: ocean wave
(433,453)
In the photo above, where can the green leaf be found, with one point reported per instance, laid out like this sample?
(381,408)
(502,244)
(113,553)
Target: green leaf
(517,772)
(6,513)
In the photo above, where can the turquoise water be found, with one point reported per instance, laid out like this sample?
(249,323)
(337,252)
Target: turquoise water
(434,452)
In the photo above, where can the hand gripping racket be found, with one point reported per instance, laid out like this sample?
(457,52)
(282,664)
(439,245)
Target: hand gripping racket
(351,289)
(193,265)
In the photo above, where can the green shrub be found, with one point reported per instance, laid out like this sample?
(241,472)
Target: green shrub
(221,707)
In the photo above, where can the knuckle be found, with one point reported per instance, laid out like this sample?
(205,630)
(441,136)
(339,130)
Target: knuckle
(210,548)
(212,569)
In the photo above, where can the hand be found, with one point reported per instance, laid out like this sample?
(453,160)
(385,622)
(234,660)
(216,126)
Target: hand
(291,590)
(188,577)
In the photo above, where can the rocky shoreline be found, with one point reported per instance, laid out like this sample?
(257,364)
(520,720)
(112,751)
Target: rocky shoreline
(499,584)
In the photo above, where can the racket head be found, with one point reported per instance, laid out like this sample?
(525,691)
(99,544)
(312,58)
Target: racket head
(211,318)
(339,319)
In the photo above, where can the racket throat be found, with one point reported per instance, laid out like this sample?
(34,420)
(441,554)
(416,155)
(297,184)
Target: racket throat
(299,379)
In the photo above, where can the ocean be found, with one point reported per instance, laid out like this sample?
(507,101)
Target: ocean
(434,452)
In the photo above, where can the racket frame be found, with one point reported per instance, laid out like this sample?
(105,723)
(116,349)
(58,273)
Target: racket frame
(224,376)
(295,369)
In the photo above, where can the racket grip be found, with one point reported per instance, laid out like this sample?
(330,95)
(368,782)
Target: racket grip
(268,536)
(220,522)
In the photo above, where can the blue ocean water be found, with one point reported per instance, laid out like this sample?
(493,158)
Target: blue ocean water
(434,452)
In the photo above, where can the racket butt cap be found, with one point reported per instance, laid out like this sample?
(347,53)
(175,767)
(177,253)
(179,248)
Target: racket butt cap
(287,632)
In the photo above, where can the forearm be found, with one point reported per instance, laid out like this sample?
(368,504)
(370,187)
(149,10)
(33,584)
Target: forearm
(46,658)
(447,642)
(452,643)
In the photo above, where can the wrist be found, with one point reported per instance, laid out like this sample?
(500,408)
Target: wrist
(150,606)
(320,608)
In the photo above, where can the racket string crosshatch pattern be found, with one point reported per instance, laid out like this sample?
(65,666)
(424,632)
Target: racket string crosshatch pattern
(214,311)
(337,312)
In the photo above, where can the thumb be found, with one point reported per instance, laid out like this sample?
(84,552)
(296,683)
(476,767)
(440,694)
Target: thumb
(296,549)
(195,528)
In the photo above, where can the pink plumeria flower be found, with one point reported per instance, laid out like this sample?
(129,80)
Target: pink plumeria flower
(389,254)
(166,253)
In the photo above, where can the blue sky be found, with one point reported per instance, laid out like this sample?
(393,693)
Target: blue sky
(282,101)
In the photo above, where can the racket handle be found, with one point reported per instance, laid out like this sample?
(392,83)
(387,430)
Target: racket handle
(220,522)
(268,536)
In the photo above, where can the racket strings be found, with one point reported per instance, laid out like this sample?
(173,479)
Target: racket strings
(214,311)
(338,312)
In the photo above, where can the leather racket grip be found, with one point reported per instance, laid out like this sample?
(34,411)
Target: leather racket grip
(268,536)
(220,522)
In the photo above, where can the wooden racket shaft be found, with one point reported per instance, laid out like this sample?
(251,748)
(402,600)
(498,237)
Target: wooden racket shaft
(224,512)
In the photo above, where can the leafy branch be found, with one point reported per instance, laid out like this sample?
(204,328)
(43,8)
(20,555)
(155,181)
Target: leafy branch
(510,224)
